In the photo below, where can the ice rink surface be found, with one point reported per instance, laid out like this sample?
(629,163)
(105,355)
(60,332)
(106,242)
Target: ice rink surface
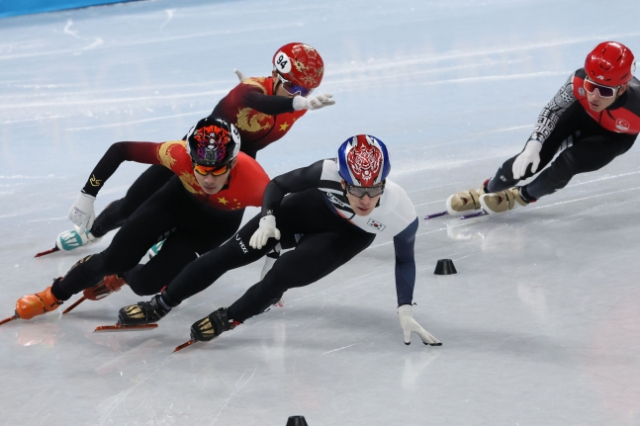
(541,326)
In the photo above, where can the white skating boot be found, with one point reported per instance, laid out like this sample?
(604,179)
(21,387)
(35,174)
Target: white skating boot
(500,202)
(72,239)
(465,202)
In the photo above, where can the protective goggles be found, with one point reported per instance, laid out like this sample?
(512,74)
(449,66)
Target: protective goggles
(293,89)
(605,91)
(360,191)
(215,170)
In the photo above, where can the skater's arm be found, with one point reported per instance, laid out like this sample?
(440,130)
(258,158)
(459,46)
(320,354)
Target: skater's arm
(270,105)
(294,181)
(552,112)
(405,263)
(141,152)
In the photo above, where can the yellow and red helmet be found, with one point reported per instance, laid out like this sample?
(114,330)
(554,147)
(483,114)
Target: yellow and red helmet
(300,64)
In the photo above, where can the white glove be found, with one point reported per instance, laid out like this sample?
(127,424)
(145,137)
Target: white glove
(240,75)
(314,102)
(409,324)
(82,213)
(530,155)
(267,229)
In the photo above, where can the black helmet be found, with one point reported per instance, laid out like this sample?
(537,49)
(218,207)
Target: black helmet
(213,142)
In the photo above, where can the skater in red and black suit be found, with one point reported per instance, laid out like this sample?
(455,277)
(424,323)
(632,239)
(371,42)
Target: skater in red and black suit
(201,205)
(263,109)
(594,118)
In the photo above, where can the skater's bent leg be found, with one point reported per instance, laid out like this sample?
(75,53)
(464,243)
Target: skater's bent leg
(504,177)
(315,256)
(202,272)
(125,251)
(177,252)
(87,272)
(142,189)
(179,249)
(568,124)
(588,155)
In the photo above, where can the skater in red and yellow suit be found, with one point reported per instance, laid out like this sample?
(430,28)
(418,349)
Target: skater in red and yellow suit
(197,210)
(263,109)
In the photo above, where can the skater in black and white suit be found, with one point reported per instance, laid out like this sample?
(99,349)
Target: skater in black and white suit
(334,210)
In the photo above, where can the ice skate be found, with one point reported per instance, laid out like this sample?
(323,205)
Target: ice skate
(72,239)
(121,327)
(110,284)
(465,202)
(500,202)
(33,305)
(210,327)
(144,312)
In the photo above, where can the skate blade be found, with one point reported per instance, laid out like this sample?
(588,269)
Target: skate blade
(472,215)
(46,252)
(431,216)
(184,345)
(121,327)
(6,320)
(70,308)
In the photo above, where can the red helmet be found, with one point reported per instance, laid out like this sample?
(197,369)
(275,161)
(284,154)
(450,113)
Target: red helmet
(610,63)
(299,63)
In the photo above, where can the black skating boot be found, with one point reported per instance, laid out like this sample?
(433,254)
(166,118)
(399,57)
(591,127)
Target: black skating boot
(144,312)
(210,327)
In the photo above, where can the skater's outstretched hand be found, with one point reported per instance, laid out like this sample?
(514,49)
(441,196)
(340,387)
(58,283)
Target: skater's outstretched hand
(312,102)
(82,213)
(530,155)
(240,75)
(410,325)
(267,229)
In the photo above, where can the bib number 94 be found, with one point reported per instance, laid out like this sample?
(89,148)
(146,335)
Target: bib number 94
(283,63)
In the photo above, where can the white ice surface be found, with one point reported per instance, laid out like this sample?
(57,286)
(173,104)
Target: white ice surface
(541,326)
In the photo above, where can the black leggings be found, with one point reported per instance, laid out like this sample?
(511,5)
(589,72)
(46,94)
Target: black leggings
(585,147)
(197,229)
(150,181)
(328,241)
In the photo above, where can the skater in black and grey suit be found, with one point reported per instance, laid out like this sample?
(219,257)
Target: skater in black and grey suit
(594,118)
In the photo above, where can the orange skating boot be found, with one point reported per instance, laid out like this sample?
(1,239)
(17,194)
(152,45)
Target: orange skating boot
(32,305)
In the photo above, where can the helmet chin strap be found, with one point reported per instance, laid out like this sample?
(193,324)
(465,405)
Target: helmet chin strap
(276,82)
(344,188)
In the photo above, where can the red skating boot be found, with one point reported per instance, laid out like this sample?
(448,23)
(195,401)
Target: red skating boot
(32,305)
(108,285)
